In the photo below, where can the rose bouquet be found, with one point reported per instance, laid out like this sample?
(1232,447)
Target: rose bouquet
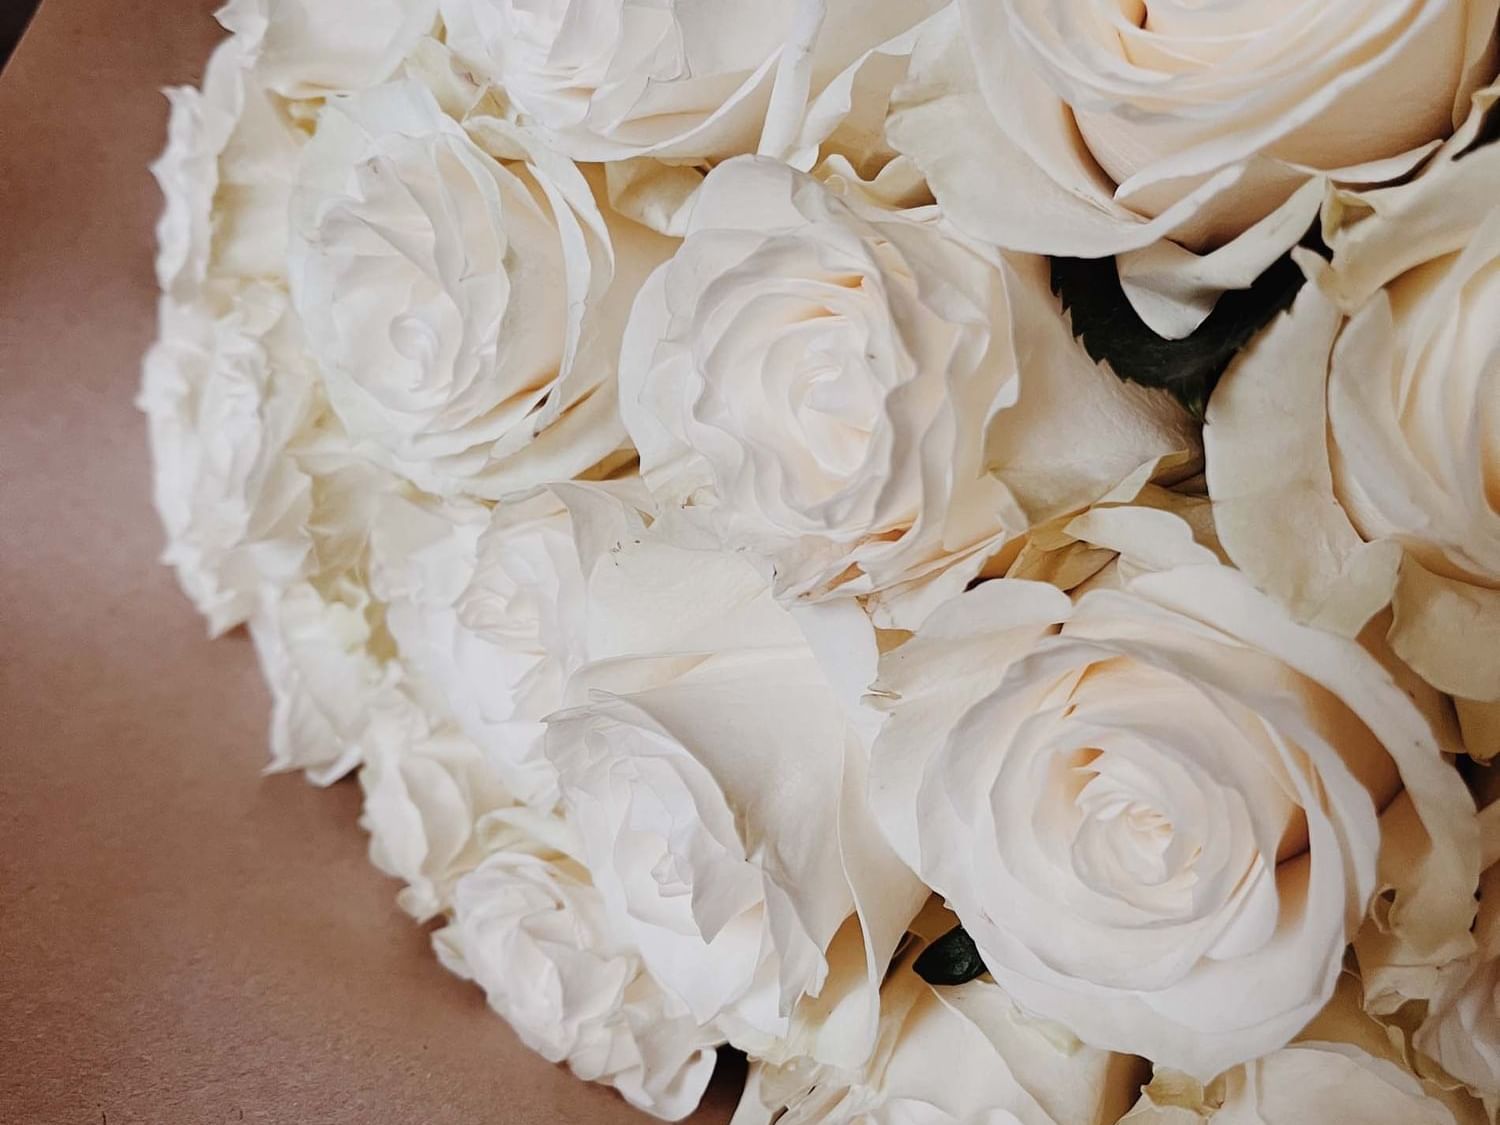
(951,547)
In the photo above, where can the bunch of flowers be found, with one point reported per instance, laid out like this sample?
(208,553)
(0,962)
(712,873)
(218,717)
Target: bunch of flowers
(953,547)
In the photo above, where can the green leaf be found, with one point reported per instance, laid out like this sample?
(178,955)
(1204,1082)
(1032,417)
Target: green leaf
(952,959)
(1112,332)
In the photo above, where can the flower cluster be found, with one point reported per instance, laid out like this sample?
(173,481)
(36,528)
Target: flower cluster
(658,449)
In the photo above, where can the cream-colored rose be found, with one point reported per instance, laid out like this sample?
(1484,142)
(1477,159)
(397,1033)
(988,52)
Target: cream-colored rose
(225,386)
(199,125)
(1194,134)
(226,177)
(1461,1029)
(1354,449)
(426,789)
(869,404)
(321,637)
(610,80)
(1344,1069)
(487,613)
(225,393)
(716,776)
(315,48)
(348,491)
(949,1056)
(323,657)
(464,311)
(530,929)
(1155,805)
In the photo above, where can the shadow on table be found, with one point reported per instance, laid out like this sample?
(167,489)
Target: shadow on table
(14,16)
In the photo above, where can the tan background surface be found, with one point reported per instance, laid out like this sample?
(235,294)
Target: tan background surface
(180,939)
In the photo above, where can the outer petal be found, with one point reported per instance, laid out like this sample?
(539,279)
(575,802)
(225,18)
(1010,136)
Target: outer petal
(425,791)
(312,48)
(1450,631)
(951,1056)
(924,686)
(529,928)
(1269,477)
(315,656)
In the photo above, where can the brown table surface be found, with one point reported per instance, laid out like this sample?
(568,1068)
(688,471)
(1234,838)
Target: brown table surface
(181,940)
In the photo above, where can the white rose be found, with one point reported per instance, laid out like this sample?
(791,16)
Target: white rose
(227,389)
(1094,128)
(608,79)
(324,649)
(226,177)
(716,778)
(426,789)
(314,48)
(348,491)
(464,311)
(1154,806)
(1343,1068)
(319,656)
(224,395)
(1352,451)
(199,124)
(530,929)
(950,1056)
(1461,1030)
(861,399)
(487,611)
